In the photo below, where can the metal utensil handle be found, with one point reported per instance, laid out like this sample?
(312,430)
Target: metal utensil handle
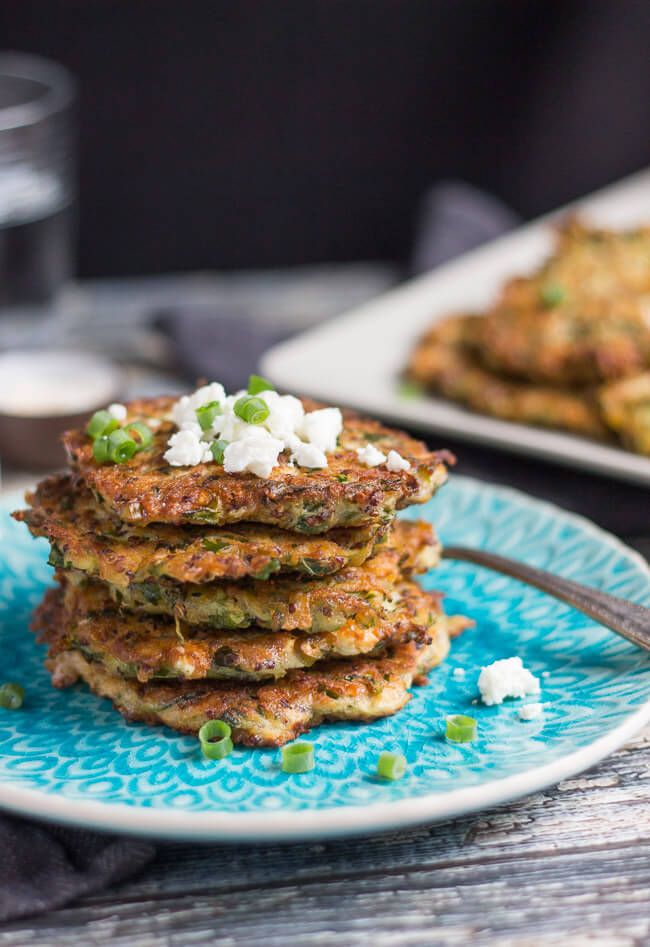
(628,619)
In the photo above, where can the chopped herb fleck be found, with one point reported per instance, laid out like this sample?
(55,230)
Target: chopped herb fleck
(215,545)
(552,294)
(410,390)
(268,570)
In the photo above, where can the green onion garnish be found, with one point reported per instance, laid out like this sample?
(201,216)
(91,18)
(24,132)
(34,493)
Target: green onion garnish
(215,740)
(410,390)
(121,447)
(141,433)
(100,449)
(252,410)
(101,423)
(391,765)
(218,449)
(215,545)
(206,414)
(298,758)
(256,384)
(460,729)
(552,295)
(11,696)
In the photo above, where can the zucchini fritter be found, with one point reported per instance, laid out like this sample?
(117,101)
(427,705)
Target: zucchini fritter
(84,535)
(135,646)
(146,489)
(626,408)
(268,714)
(446,361)
(582,317)
(364,593)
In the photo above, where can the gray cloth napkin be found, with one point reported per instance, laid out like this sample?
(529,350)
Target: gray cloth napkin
(227,343)
(453,218)
(45,867)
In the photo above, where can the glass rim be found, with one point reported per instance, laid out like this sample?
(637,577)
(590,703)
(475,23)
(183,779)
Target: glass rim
(58,93)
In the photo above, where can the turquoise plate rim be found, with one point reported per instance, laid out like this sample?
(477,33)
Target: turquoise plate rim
(346,820)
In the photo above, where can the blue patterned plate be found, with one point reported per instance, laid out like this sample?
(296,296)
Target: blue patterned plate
(69,757)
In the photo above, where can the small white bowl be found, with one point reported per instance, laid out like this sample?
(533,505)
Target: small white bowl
(44,392)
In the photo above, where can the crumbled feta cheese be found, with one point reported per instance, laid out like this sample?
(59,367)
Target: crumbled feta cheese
(229,427)
(117,411)
(531,711)
(285,414)
(458,674)
(255,453)
(308,455)
(185,449)
(184,665)
(370,456)
(396,462)
(253,447)
(184,410)
(506,678)
(322,427)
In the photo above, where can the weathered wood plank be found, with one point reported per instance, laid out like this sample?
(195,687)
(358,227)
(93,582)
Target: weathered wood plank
(517,900)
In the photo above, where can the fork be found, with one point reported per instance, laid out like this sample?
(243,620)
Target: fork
(628,619)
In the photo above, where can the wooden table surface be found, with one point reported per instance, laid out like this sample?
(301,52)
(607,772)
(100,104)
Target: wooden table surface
(569,866)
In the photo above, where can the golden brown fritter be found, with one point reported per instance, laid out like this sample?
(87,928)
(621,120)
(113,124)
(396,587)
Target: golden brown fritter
(147,489)
(582,317)
(625,406)
(84,535)
(365,593)
(84,619)
(269,714)
(446,361)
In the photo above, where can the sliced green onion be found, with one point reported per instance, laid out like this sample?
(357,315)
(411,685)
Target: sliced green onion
(56,558)
(101,423)
(206,414)
(460,729)
(252,410)
(552,295)
(218,449)
(11,696)
(256,384)
(215,545)
(267,571)
(215,739)
(141,433)
(410,390)
(100,449)
(298,758)
(391,765)
(121,447)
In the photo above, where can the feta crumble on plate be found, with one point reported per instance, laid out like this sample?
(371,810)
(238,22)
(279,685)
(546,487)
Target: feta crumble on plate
(506,678)
(531,711)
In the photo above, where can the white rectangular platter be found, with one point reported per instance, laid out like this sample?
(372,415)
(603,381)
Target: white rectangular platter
(356,359)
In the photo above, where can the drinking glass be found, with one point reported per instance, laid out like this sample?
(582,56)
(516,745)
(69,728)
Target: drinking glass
(37,178)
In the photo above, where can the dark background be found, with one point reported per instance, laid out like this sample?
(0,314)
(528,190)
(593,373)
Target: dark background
(233,134)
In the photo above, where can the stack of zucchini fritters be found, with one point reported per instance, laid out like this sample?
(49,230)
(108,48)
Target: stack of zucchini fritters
(566,347)
(187,594)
